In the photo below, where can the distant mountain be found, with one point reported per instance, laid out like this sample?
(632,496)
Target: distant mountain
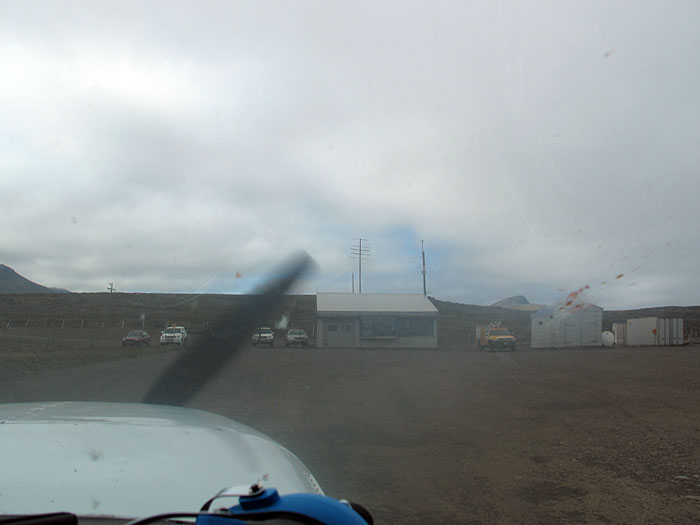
(12,282)
(518,302)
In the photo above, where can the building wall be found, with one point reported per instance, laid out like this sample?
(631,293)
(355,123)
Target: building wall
(379,331)
(567,329)
(641,331)
(582,328)
(337,332)
(669,332)
(542,332)
(620,329)
(648,331)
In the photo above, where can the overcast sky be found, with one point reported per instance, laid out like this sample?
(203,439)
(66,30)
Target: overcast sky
(537,147)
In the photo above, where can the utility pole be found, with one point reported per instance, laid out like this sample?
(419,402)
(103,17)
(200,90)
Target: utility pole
(423,272)
(361,253)
(353,282)
(111,288)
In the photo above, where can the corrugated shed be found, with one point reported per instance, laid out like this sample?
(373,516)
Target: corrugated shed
(567,327)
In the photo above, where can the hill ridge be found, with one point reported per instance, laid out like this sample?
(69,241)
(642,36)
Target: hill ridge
(12,282)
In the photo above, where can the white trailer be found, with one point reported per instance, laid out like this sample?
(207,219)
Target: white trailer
(641,331)
(669,332)
(653,331)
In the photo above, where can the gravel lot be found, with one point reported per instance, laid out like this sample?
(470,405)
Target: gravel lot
(580,435)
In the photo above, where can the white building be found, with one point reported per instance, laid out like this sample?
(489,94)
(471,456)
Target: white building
(368,320)
(567,327)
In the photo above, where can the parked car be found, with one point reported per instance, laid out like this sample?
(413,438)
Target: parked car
(174,335)
(136,337)
(296,337)
(263,336)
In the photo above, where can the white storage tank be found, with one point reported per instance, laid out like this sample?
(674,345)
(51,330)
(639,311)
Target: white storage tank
(608,339)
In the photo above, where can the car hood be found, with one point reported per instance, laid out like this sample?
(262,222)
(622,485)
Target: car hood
(132,460)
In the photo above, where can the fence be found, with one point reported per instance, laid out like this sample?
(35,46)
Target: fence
(123,324)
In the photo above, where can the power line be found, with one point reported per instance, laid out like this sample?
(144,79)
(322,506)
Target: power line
(423,272)
(359,252)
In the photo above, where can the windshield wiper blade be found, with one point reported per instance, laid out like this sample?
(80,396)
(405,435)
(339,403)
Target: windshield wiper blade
(202,361)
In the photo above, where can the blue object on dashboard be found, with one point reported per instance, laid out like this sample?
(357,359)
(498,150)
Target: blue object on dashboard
(268,503)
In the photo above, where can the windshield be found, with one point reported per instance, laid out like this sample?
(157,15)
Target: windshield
(447,166)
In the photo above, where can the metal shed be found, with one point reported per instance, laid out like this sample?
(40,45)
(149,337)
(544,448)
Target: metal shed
(554,327)
(347,320)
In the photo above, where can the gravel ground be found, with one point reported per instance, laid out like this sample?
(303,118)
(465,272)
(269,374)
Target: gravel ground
(584,436)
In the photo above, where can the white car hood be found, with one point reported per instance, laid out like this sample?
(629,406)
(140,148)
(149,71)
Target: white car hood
(132,460)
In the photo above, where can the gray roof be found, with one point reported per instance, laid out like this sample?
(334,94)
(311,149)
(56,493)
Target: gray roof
(373,302)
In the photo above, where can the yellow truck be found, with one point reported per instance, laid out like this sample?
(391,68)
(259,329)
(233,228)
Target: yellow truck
(494,337)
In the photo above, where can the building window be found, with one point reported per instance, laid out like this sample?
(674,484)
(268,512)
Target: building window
(377,328)
(409,327)
(347,327)
(404,327)
(332,327)
(422,327)
(401,327)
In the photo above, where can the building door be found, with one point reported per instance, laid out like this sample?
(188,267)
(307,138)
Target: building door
(339,333)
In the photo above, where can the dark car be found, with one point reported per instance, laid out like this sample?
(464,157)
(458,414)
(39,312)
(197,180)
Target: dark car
(137,337)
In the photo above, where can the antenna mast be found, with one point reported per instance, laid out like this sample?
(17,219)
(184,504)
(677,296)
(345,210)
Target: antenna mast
(423,272)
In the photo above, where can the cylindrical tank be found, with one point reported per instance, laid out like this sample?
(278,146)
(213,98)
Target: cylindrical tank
(608,338)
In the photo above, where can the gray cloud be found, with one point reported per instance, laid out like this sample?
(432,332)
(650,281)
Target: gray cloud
(537,148)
